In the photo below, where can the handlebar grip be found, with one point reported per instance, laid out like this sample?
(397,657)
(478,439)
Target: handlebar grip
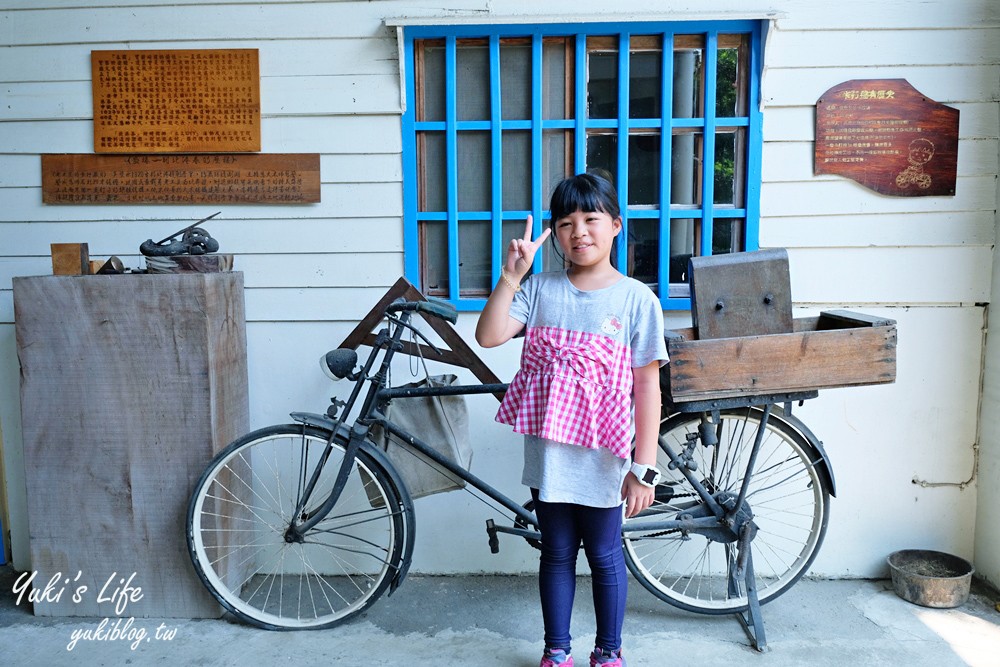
(441,309)
(445,311)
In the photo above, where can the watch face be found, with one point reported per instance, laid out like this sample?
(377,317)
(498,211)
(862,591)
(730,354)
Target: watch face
(649,476)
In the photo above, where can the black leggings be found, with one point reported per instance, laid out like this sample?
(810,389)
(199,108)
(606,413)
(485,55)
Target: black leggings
(563,527)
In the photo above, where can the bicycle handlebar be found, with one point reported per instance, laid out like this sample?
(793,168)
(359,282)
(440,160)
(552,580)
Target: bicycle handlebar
(445,311)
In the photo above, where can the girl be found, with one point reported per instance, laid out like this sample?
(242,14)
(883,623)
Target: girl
(591,357)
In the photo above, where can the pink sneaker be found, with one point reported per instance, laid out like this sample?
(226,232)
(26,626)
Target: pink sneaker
(556,658)
(602,658)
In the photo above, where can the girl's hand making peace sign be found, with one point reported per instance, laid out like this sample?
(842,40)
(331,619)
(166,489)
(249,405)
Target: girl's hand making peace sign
(521,252)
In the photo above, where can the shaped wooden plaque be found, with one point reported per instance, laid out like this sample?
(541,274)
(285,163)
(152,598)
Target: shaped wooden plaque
(888,137)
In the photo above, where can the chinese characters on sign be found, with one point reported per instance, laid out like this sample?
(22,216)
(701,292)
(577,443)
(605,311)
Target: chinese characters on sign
(277,178)
(888,137)
(176,101)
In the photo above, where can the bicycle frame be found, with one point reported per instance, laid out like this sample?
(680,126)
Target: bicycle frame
(725,524)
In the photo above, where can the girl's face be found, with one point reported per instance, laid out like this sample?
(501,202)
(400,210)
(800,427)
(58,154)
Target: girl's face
(586,238)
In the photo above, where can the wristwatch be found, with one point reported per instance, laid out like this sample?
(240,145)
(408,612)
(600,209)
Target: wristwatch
(647,475)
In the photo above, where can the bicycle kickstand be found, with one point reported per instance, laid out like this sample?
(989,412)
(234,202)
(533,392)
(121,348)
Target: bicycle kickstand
(742,567)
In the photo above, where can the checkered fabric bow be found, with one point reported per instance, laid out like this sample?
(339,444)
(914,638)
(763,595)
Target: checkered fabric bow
(556,351)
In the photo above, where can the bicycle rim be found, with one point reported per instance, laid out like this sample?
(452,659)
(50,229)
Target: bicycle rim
(243,505)
(787,496)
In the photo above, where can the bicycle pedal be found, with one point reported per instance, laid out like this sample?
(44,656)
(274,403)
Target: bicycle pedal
(491,530)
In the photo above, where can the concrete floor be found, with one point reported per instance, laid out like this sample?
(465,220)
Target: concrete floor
(494,620)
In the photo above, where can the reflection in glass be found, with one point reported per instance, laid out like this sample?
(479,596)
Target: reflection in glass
(515,81)
(681,248)
(473,79)
(516,171)
(644,250)
(474,187)
(557,79)
(434,242)
(602,155)
(557,160)
(727,235)
(724,191)
(727,88)
(644,93)
(644,170)
(687,83)
(474,257)
(433,183)
(432,73)
(602,86)
(685,175)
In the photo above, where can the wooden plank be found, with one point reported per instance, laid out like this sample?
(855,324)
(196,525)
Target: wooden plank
(338,200)
(322,236)
(340,168)
(800,361)
(945,83)
(70,259)
(966,228)
(793,160)
(796,122)
(289,95)
(181,179)
(300,57)
(844,197)
(114,432)
(882,48)
(943,275)
(291,134)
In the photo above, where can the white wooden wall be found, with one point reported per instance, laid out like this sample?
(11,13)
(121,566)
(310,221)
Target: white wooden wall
(330,84)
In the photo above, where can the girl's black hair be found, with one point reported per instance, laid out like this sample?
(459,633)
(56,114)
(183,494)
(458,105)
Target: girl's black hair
(584,192)
(587,192)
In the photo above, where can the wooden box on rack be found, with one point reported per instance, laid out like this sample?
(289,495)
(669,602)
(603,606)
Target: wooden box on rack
(129,385)
(837,349)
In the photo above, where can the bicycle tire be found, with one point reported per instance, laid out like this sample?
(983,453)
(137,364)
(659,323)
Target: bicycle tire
(242,506)
(788,495)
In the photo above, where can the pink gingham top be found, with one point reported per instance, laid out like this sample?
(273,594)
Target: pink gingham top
(574,385)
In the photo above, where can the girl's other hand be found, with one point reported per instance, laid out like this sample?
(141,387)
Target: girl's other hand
(521,252)
(637,496)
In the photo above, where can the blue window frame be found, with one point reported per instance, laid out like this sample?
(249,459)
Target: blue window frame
(496,115)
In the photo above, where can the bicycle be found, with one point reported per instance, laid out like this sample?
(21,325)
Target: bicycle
(305,525)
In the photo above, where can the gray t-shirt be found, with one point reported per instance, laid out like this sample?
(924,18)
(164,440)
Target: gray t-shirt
(627,311)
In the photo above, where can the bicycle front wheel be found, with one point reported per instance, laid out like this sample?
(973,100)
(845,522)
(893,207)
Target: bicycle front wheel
(243,505)
(787,495)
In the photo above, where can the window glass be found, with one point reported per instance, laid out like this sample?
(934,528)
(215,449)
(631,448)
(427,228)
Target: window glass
(666,215)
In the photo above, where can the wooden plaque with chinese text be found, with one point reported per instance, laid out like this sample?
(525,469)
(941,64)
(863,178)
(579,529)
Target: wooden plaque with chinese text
(278,178)
(888,137)
(176,101)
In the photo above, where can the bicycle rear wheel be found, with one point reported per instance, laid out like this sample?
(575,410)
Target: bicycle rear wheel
(787,495)
(243,504)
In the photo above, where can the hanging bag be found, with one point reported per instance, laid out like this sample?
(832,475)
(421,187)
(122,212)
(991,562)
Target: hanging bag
(440,421)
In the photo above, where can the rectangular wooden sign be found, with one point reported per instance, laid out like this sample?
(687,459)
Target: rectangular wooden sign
(176,101)
(278,178)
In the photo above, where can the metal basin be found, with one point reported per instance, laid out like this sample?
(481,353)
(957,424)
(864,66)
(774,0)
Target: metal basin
(930,578)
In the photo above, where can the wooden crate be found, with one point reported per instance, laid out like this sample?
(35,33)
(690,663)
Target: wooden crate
(837,349)
(129,385)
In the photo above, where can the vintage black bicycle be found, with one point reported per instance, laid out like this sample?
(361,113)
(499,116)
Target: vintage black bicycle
(305,525)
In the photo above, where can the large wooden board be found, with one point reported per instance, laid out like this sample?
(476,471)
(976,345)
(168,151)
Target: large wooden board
(174,101)
(276,178)
(129,385)
(837,349)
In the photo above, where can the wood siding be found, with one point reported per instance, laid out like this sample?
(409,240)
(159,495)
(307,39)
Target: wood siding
(330,85)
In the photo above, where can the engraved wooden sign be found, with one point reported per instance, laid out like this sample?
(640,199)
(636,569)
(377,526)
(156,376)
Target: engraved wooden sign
(176,101)
(275,178)
(888,137)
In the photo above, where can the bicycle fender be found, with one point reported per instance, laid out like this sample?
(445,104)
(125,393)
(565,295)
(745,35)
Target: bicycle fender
(825,467)
(325,423)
